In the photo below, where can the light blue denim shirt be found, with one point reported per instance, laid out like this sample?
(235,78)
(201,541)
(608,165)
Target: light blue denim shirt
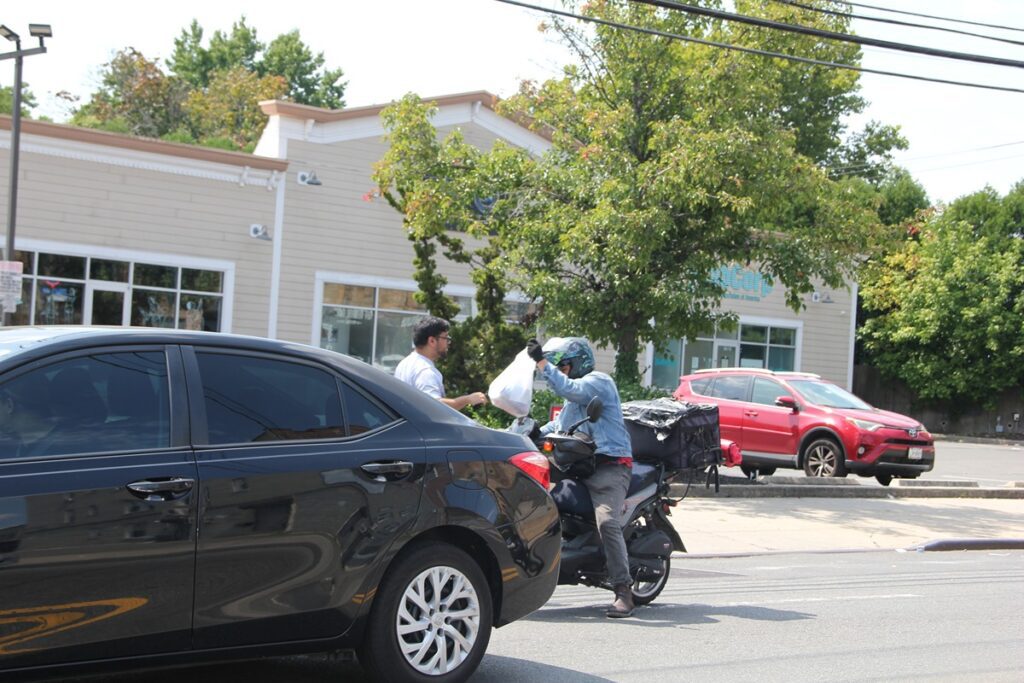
(609,432)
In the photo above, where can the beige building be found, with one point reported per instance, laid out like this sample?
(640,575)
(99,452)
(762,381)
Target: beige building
(287,243)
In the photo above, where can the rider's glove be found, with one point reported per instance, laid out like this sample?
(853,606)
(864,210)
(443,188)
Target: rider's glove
(534,350)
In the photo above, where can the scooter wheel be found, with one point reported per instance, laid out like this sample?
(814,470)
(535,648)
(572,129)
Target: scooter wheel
(644,592)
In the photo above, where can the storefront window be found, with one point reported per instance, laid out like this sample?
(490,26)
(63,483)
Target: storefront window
(117,292)
(58,302)
(748,346)
(373,324)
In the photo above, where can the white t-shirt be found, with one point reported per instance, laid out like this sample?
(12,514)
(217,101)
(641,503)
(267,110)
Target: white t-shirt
(418,371)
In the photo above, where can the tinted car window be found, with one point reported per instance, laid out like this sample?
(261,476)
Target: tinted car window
(103,402)
(363,414)
(732,387)
(700,386)
(251,398)
(766,391)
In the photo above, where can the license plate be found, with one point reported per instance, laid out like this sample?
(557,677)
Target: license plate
(915,453)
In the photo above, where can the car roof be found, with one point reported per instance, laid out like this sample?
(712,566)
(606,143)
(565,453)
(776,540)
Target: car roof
(20,345)
(782,374)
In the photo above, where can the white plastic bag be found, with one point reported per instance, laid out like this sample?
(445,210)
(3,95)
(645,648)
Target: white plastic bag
(512,390)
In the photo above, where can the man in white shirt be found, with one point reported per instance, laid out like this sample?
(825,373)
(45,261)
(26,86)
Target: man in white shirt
(418,369)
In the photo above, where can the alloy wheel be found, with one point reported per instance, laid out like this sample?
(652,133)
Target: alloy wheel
(438,620)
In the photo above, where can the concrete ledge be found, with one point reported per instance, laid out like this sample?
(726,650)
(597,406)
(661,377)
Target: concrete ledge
(756,490)
(933,482)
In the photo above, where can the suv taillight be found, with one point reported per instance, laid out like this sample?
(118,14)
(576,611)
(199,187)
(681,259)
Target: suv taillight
(535,466)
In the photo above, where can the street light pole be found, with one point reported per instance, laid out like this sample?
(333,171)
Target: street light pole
(40,31)
(12,195)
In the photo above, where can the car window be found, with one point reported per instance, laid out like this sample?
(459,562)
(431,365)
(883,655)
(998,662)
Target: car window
(700,386)
(766,391)
(251,399)
(104,402)
(732,387)
(363,415)
(827,395)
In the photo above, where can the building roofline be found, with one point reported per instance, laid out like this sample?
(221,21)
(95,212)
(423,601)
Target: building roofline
(140,144)
(307,112)
(320,115)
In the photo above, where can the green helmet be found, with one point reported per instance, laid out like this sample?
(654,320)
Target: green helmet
(572,351)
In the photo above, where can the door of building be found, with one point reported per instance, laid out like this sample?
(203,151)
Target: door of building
(106,303)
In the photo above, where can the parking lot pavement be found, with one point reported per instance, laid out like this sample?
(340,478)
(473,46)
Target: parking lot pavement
(750,525)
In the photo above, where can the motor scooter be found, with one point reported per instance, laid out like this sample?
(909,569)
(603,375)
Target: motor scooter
(650,537)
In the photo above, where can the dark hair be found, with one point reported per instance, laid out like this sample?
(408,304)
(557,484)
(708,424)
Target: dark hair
(426,328)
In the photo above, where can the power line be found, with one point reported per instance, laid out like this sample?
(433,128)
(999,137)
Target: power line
(853,168)
(932,16)
(831,35)
(897,22)
(754,51)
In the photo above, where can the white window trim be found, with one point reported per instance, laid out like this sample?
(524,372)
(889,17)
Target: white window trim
(323,277)
(156,258)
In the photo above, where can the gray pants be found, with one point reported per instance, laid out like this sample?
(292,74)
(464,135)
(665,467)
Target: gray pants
(608,486)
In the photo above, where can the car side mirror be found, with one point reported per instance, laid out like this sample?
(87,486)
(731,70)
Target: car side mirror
(787,402)
(594,409)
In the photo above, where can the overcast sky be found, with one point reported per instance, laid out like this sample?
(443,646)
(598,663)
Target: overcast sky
(960,138)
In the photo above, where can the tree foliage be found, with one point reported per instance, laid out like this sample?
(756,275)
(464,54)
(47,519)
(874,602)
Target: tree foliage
(209,94)
(670,160)
(450,196)
(28,100)
(948,306)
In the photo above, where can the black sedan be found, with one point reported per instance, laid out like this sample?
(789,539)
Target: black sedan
(170,497)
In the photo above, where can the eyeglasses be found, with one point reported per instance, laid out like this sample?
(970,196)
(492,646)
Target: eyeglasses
(446,338)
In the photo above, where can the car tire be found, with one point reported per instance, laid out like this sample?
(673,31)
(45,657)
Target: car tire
(824,458)
(411,636)
(884,479)
(750,470)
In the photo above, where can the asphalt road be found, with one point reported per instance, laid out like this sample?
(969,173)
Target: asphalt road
(869,616)
(987,463)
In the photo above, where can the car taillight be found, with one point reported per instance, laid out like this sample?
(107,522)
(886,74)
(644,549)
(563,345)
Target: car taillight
(534,465)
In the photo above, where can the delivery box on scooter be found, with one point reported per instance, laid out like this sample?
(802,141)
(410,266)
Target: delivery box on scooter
(679,434)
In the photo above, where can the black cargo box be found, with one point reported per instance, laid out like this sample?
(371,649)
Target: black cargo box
(681,435)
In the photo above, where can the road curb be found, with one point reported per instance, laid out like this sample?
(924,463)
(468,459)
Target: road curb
(947,544)
(755,490)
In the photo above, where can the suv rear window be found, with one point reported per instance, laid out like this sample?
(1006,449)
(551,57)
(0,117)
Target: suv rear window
(733,387)
(700,386)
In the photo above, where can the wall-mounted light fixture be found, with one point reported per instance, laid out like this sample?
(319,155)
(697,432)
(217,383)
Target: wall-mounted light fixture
(308,178)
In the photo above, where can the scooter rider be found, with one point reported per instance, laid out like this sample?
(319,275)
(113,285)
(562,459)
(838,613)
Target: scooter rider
(568,367)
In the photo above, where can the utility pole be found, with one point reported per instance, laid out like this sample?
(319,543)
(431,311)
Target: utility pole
(40,31)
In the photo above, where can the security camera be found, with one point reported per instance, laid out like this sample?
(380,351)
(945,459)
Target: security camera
(259,231)
(308,178)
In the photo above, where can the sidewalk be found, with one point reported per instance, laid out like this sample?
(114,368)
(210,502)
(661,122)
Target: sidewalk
(754,525)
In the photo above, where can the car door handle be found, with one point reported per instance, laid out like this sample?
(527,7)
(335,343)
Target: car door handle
(388,470)
(750,413)
(155,490)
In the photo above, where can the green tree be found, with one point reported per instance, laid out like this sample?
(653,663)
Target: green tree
(948,307)
(287,56)
(451,197)
(670,160)
(308,82)
(229,107)
(135,97)
(28,100)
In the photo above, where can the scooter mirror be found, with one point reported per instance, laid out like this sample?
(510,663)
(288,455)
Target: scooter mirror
(594,409)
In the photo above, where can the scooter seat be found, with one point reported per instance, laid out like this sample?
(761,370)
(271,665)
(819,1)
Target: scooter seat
(573,497)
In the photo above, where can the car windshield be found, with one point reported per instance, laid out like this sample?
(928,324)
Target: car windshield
(827,395)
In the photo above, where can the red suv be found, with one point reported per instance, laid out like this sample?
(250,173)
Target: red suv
(797,420)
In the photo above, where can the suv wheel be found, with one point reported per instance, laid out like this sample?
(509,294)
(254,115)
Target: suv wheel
(823,458)
(432,618)
(884,479)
